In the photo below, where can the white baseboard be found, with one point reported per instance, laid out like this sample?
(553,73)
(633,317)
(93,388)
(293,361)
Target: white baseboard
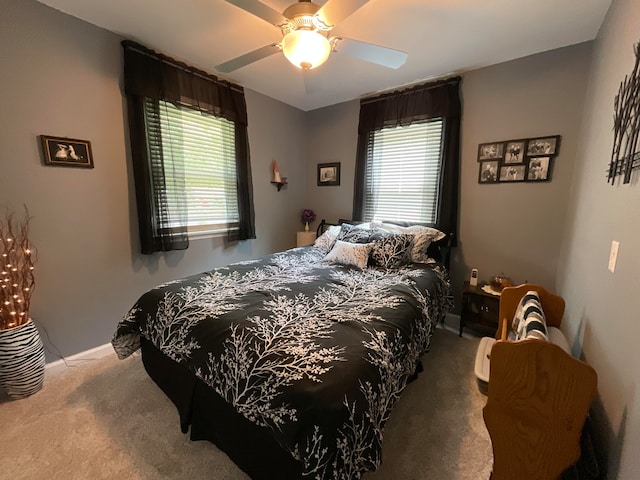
(452,322)
(91,354)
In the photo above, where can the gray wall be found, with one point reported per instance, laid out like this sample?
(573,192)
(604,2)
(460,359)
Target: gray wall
(61,76)
(601,313)
(333,137)
(510,228)
(516,228)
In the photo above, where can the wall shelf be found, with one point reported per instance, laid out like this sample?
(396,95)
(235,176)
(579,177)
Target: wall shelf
(281,183)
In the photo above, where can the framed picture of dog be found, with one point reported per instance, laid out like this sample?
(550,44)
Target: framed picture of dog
(66,152)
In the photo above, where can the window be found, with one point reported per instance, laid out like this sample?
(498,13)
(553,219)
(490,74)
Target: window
(403,173)
(189,152)
(408,156)
(193,156)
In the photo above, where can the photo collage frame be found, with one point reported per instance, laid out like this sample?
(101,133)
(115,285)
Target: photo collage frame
(520,160)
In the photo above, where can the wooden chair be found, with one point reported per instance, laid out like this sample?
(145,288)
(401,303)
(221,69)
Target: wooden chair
(538,398)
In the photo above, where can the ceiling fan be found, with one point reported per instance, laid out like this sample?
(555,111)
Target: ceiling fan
(306,40)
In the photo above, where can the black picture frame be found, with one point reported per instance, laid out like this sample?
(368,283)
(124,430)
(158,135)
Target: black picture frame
(513,173)
(490,151)
(488,171)
(539,169)
(66,152)
(543,146)
(514,151)
(329,174)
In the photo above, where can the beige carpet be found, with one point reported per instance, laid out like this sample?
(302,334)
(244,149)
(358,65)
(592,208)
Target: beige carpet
(106,419)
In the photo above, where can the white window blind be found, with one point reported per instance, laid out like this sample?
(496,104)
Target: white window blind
(198,159)
(402,178)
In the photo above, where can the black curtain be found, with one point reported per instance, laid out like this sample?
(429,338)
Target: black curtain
(150,75)
(432,100)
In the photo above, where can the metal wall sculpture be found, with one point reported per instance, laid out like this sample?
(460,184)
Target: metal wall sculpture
(625,156)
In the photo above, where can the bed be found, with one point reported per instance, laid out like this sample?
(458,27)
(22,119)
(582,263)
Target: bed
(291,363)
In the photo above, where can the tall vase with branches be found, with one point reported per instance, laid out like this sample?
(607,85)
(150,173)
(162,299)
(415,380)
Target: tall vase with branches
(21,351)
(17,259)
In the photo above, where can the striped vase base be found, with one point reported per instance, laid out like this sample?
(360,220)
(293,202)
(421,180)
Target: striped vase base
(21,360)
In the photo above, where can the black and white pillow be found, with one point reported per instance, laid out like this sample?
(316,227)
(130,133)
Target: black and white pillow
(391,251)
(325,241)
(345,253)
(352,234)
(529,321)
(422,238)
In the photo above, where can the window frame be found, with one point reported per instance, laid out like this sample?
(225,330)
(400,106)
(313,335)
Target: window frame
(213,228)
(437,191)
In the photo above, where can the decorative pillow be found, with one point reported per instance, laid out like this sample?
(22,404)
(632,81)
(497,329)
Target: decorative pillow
(356,254)
(353,234)
(529,321)
(325,241)
(355,223)
(391,251)
(422,238)
(365,225)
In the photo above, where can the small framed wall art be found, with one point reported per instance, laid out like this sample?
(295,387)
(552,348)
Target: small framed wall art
(490,151)
(328,174)
(489,171)
(539,169)
(514,152)
(66,152)
(543,147)
(512,173)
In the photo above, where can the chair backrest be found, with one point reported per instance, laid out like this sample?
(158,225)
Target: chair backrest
(552,304)
(537,403)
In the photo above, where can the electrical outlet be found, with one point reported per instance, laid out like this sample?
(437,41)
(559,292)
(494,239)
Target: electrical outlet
(613,256)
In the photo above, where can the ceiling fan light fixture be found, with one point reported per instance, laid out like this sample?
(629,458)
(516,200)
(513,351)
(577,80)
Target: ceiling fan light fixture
(306,49)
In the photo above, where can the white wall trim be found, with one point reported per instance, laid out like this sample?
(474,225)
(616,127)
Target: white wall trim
(91,354)
(452,322)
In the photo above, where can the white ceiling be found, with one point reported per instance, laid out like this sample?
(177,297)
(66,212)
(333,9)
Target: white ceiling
(441,37)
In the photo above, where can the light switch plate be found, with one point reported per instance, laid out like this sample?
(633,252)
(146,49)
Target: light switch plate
(613,256)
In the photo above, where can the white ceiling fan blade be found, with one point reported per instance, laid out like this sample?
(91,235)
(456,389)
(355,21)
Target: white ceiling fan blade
(387,57)
(247,58)
(334,11)
(260,10)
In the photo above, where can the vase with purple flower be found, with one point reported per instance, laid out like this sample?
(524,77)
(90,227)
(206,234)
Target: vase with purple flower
(307,216)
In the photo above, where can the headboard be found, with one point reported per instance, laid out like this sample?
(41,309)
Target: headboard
(323,227)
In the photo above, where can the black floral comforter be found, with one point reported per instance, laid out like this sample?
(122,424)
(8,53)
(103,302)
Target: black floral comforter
(316,352)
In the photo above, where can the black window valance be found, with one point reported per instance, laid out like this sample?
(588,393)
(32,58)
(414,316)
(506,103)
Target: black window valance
(153,75)
(436,99)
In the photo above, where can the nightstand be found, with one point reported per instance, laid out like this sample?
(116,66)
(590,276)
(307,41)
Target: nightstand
(480,310)
(305,238)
